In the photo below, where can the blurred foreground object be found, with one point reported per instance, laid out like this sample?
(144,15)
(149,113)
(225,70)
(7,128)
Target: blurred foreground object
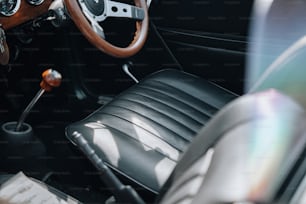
(4,50)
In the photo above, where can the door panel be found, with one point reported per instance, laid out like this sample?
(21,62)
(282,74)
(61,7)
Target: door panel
(216,16)
(208,38)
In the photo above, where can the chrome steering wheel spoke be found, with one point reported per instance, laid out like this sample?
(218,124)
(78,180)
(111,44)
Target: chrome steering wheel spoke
(122,10)
(98,29)
(95,25)
(99,10)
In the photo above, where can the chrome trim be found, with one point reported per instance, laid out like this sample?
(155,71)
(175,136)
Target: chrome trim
(90,15)
(35,2)
(13,11)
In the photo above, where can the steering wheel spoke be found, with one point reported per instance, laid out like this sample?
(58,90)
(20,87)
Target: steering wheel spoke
(95,25)
(122,10)
(98,29)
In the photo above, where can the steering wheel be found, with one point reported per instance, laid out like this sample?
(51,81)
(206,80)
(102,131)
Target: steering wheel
(87,14)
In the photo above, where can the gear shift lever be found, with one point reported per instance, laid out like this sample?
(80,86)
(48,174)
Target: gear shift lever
(17,138)
(50,78)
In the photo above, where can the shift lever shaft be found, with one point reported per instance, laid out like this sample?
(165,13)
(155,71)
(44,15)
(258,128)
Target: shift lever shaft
(50,78)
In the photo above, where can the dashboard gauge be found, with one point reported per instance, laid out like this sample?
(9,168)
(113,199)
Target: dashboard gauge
(35,2)
(9,7)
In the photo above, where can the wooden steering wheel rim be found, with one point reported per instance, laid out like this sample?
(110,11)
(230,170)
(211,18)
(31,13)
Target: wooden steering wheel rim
(84,26)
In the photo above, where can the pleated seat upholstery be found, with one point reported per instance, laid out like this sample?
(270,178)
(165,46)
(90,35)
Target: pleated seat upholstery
(143,132)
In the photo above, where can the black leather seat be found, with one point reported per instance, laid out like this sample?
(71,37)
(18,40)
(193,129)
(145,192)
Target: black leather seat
(143,132)
(250,152)
(234,156)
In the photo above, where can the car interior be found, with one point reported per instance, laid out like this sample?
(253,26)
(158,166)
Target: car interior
(152,101)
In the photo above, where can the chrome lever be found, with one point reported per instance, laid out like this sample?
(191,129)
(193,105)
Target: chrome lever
(51,78)
(126,68)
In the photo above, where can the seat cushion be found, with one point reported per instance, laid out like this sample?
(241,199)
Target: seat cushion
(143,132)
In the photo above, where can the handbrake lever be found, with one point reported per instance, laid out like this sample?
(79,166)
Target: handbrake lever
(122,193)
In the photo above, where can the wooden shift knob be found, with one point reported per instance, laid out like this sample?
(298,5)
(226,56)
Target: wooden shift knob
(50,79)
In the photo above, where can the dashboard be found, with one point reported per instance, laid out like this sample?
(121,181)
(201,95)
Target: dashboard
(16,12)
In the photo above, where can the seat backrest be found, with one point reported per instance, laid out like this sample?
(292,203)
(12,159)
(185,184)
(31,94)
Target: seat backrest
(245,153)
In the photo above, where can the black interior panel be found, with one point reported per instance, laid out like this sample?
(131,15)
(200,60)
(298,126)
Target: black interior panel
(219,58)
(209,38)
(216,16)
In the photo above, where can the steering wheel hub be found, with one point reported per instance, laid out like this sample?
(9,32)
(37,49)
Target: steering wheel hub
(96,7)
